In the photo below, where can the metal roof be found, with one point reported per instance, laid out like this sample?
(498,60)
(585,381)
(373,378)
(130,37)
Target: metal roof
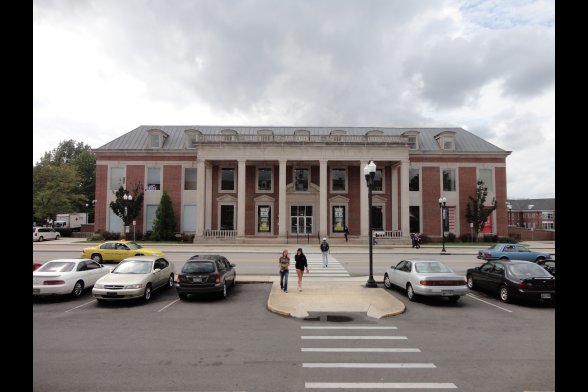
(136,139)
(532,204)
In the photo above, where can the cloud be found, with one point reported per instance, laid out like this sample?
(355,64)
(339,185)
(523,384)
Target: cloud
(101,68)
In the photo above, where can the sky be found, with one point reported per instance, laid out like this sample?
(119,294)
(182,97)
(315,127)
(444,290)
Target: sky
(102,68)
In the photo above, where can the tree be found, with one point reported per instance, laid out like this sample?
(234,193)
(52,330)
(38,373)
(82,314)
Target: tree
(128,210)
(477,212)
(55,190)
(164,225)
(72,197)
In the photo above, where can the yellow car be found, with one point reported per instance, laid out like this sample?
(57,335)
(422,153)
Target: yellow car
(117,251)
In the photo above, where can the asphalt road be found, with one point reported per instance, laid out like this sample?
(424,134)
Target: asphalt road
(264,263)
(210,344)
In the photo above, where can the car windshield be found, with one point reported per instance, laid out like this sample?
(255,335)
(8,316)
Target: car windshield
(198,267)
(497,246)
(527,270)
(57,266)
(431,266)
(133,245)
(133,267)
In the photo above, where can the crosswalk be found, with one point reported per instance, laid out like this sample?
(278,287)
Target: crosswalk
(387,368)
(316,269)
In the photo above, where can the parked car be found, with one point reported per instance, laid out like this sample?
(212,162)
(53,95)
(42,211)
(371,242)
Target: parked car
(549,265)
(205,274)
(513,279)
(66,276)
(118,250)
(44,233)
(425,277)
(135,277)
(511,252)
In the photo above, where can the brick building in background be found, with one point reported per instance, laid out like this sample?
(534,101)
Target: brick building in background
(249,184)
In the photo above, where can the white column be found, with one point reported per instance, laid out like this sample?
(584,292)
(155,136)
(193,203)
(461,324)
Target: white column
(282,217)
(200,203)
(324,189)
(363,202)
(241,199)
(394,179)
(208,197)
(404,199)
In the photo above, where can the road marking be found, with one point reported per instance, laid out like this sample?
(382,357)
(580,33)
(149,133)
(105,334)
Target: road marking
(380,385)
(486,302)
(370,365)
(337,337)
(349,327)
(358,350)
(170,304)
(80,306)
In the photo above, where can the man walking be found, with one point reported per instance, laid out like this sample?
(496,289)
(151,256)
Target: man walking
(325,251)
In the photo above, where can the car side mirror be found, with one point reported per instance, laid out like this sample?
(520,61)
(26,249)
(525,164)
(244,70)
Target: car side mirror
(156,270)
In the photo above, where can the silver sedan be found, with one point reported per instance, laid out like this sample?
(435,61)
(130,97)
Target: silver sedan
(425,277)
(135,277)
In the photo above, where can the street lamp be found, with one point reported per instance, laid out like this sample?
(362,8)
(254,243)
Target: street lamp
(369,171)
(128,199)
(442,203)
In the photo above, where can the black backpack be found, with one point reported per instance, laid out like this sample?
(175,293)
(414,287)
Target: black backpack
(324,246)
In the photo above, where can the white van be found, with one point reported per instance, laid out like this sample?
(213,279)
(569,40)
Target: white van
(44,233)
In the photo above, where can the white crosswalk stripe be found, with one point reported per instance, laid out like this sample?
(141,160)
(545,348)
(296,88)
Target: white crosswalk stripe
(316,269)
(391,360)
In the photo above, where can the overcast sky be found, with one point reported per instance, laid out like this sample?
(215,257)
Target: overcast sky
(101,68)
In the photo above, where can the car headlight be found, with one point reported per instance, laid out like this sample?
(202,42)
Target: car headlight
(134,286)
(98,286)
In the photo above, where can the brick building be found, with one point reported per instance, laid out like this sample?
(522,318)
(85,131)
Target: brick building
(255,183)
(532,213)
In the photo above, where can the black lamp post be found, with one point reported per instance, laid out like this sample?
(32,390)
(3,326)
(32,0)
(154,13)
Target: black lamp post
(369,171)
(442,203)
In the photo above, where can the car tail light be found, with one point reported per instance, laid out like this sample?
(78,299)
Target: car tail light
(53,282)
(487,255)
(217,279)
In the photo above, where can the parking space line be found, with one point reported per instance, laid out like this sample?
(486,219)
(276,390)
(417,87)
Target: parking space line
(486,302)
(336,337)
(170,304)
(69,310)
(382,365)
(380,385)
(348,327)
(358,350)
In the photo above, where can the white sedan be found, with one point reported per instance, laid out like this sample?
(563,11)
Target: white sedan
(66,276)
(425,277)
(135,277)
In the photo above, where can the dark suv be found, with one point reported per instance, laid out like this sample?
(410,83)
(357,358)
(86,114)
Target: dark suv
(205,274)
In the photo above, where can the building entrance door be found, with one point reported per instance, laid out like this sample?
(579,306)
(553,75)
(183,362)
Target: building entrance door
(377,218)
(227,217)
(301,219)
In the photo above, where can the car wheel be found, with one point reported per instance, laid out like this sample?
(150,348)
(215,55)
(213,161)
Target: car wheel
(57,237)
(139,254)
(183,295)
(454,298)
(97,258)
(387,282)
(540,259)
(170,282)
(504,296)
(40,239)
(78,289)
(504,258)
(471,284)
(410,292)
(147,293)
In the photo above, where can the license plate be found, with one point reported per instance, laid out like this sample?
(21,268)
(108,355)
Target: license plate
(545,295)
(36,291)
(111,294)
(196,280)
(446,292)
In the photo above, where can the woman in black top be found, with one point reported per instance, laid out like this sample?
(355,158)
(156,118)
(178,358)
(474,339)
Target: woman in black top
(301,265)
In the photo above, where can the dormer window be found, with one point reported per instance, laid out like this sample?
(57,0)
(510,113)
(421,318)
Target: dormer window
(336,135)
(446,140)
(156,138)
(229,135)
(265,135)
(413,139)
(192,137)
